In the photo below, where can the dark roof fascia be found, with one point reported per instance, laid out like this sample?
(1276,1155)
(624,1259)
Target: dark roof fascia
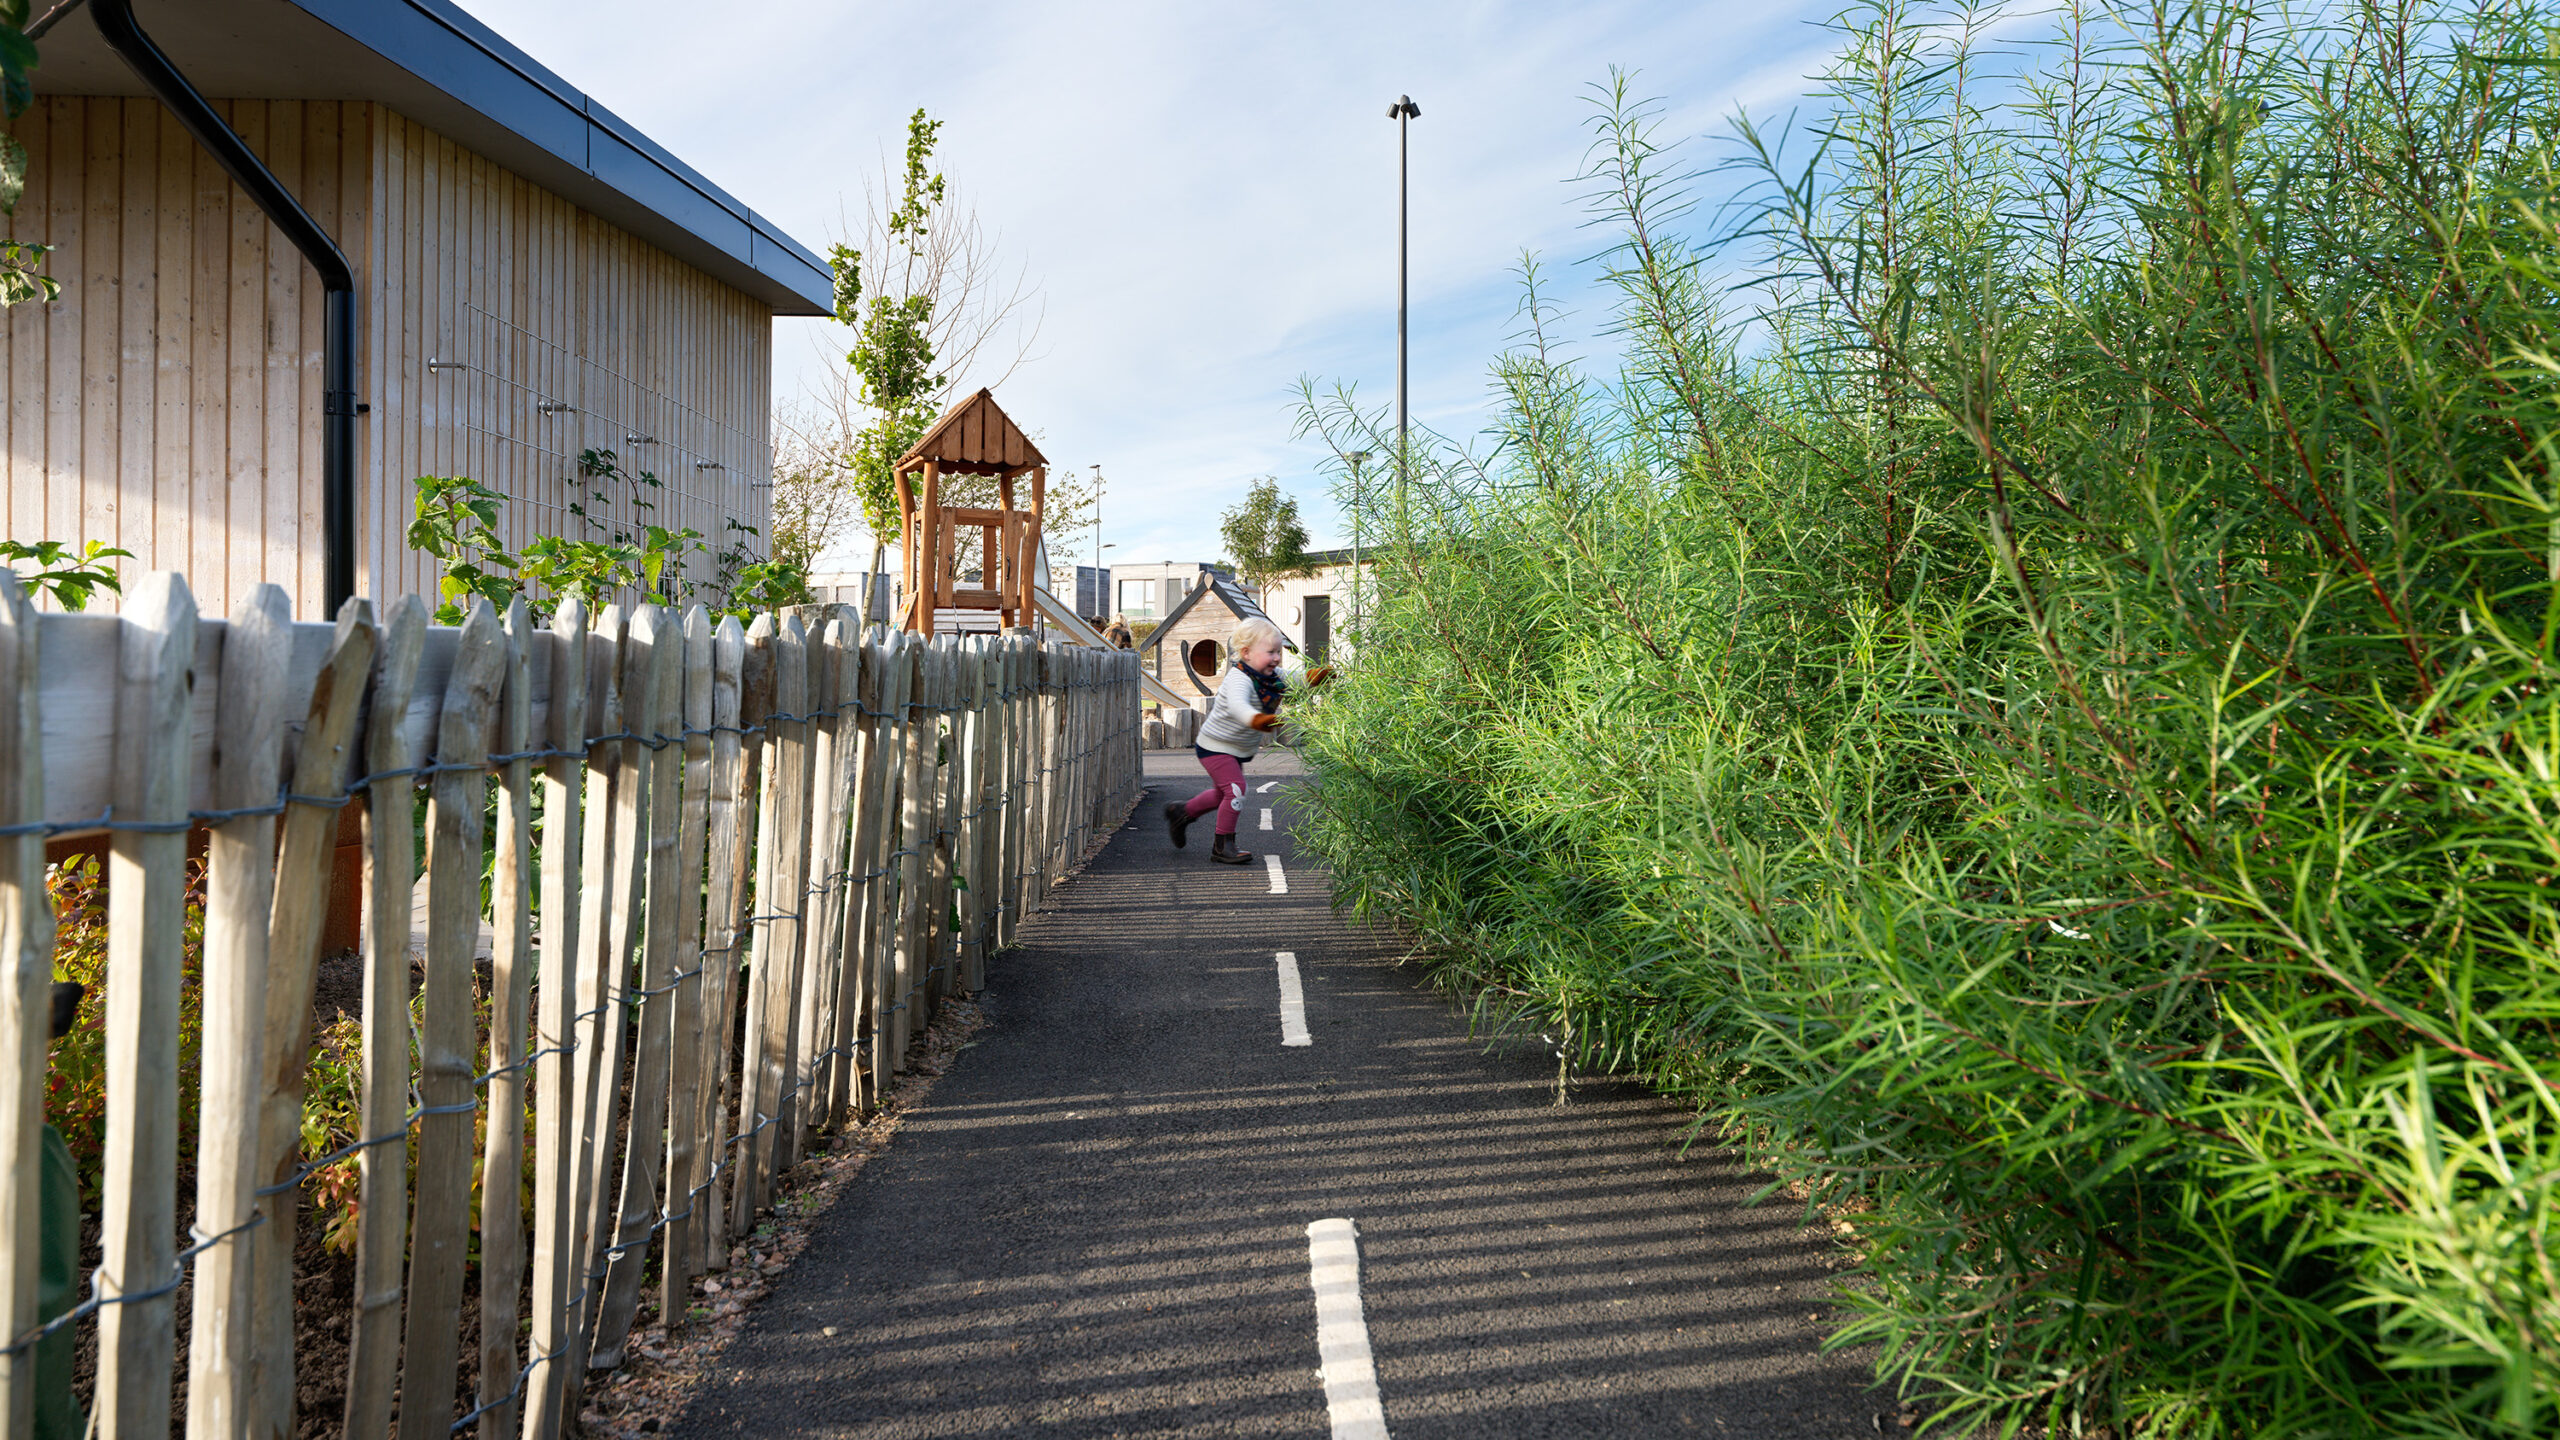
(1237,601)
(474,62)
(441,67)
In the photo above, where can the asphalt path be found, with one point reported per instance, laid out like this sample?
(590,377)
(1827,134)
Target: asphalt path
(1099,1223)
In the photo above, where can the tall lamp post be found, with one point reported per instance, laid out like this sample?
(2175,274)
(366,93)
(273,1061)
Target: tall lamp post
(1403,112)
(1098,583)
(1357,458)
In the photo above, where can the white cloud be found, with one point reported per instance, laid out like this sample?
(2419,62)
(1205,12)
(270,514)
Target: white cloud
(1205,194)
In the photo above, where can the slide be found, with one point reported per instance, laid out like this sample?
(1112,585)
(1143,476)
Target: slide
(1062,615)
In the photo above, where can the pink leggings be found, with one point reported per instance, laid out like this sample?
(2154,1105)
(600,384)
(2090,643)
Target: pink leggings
(1225,792)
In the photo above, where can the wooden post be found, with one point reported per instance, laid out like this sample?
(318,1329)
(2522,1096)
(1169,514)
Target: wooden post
(549,1389)
(761,697)
(502,1239)
(986,806)
(26,948)
(832,1086)
(945,885)
(373,1350)
(686,1153)
(860,987)
(742,685)
(928,552)
(915,838)
(440,1235)
(885,905)
(655,712)
(957,824)
(835,668)
(908,533)
(1009,591)
(792,903)
(781,848)
(240,877)
(605,877)
(1017,684)
(1031,578)
(146,889)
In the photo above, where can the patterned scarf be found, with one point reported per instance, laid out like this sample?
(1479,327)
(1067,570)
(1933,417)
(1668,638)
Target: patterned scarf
(1267,689)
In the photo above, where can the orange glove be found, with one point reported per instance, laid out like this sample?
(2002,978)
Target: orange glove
(1319,675)
(1264,722)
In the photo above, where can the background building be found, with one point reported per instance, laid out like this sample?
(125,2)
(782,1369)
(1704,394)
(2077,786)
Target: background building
(1316,611)
(1148,593)
(534,279)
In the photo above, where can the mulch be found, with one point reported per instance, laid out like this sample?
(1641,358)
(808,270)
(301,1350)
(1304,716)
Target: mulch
(661,1373)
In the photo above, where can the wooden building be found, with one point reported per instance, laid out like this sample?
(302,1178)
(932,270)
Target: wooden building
(535,279)
(1188,651)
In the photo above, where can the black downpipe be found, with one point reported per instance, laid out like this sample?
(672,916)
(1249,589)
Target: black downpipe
(337,281)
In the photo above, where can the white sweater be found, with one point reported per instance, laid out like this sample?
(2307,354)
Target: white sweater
(1228,727)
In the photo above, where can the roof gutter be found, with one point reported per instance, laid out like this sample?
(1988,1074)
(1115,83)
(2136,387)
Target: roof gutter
(337,281)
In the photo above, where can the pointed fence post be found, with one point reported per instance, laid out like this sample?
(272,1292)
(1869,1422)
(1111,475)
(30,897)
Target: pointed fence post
(26,948)
(686,1156)
(240,888)
(304,860)
(382,1195)
(656,717)
(440,1235)
(549,1387)
(742,689)
(502,1237)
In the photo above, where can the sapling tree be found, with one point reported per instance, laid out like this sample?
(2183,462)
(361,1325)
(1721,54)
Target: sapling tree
(1265,536)
(928,306)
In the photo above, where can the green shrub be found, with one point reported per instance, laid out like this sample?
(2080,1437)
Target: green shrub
(2029,695)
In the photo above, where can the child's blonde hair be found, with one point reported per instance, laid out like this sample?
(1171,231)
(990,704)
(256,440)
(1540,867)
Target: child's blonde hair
(1253,630)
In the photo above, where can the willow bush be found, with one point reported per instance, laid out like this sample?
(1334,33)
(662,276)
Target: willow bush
(2025,689)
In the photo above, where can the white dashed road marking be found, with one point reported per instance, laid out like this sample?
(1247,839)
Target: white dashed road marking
(1279,880)
(1293,1002)
(1342,1334)
(1266,787)
(1266,817)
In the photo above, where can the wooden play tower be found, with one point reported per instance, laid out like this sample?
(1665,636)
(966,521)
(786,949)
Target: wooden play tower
(973,437)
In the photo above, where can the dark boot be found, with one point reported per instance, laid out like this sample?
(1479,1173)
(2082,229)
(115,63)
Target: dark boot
(1224,851)
(1177,820)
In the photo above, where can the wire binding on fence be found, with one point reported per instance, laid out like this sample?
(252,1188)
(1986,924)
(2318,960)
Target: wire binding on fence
(1026,763)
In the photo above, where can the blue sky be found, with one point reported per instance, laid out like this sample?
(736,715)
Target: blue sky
(1203,193)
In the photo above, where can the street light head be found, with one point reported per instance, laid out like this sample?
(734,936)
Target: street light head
(1404,109)
(1357,458)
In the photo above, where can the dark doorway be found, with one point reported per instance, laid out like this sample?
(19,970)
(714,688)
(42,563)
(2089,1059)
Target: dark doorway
(1319,628)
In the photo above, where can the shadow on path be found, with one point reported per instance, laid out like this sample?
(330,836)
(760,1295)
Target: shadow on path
(1097,1225)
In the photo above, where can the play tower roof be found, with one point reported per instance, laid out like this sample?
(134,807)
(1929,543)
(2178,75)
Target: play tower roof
(974,437)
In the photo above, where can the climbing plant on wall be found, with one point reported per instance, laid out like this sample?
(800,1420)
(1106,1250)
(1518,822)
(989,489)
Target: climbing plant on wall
(20,280)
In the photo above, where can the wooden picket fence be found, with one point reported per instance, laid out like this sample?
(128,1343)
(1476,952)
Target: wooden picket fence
(825,827)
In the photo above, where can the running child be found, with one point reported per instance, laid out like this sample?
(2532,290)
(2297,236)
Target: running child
(1244,713)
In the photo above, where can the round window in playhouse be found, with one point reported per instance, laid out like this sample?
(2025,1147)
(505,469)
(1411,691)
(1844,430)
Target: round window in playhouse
(1206,657)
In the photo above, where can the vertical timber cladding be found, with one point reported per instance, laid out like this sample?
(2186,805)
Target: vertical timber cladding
(168,403)
(552,333)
